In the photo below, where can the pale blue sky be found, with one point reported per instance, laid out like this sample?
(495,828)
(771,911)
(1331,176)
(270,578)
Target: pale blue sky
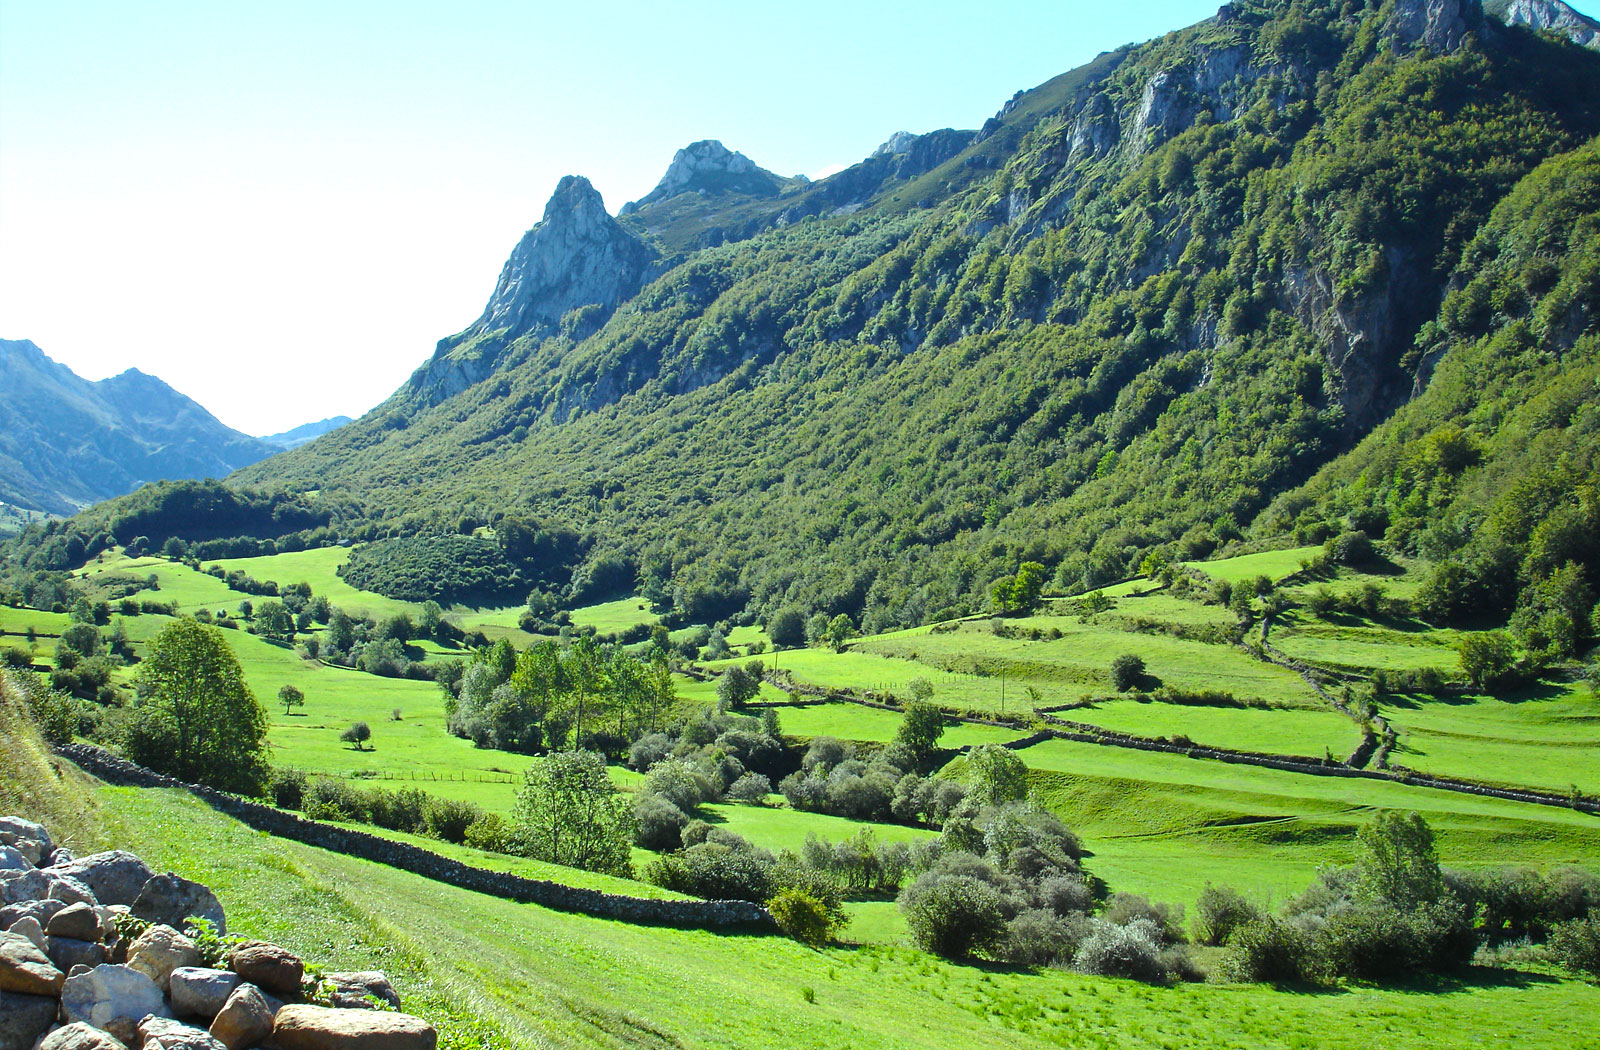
(195,188)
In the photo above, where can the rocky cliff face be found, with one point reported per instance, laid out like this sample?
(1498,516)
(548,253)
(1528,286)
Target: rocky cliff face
(709,167)
(1549,15)
(576,261)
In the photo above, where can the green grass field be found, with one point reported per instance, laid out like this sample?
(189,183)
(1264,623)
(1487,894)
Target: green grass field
(1274,564)
(1299,731)
(614,617)
(493,973)
(1549,738)
(854,722)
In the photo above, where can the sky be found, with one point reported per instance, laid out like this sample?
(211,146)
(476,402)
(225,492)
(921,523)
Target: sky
(279,208)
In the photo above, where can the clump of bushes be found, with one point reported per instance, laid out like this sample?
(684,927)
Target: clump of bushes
(410,810)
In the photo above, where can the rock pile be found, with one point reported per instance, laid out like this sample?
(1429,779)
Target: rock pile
(97,954)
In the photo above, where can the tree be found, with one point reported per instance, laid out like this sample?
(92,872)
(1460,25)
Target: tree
(1397,861)
(1486,657)
(199,721)
(841,629)
(568,812)
(273,620)
(920,730)
(737,687)
(1014,595)
(358,734)
(995,775)
(787,629)
(289,697)
(1127,671)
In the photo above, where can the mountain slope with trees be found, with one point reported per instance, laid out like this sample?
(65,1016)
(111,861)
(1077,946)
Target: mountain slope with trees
(1143,302)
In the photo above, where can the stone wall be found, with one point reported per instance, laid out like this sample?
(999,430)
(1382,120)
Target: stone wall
(693,914)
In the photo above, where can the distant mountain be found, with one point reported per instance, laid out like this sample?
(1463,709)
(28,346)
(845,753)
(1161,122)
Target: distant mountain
(1552,15)
(66,442)
(305,432)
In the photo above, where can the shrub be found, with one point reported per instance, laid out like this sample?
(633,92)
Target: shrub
(1134,950)
(490,832)
(288,788)
(448,819)
(1219,911)
(1041,937)
(680,782)
(1127,671)
(658,824)
(648,750)
(953,915)
(1265,949)
(802,917)
(1126,908)
(752,787)
(1576,946)
(717,870)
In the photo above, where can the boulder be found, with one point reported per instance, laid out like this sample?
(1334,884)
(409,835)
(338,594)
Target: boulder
(26,837)
(273,968)
(245,1019)
(25,969)
(68,952)
(355,989)
(59,856)
(173,900)
(160,950)
(17,885)
(199,992)
(79,1036)
(29,927)
(115,877)
(41,910)
(11,859)
(163,1033)
(112,998)
(24,1018)
(301,1027)
(69,890)
(81,921)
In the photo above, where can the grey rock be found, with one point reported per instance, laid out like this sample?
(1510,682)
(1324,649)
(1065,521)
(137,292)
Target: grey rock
(26,970)
(172,900)
(300,1027)
(352,989)
(17,886)
(27,837)
(70,952)
(81,921)
(59,856)
(42,911)
(69,890)
(112,998)
(200,992)
(114,877)
(160,950)
(163,1033)
(275,969)
(1439,25)
(245,1019)
(24,1018)
(1555,16)
(77,971)
(79,1036)
(11,859)
(29,927)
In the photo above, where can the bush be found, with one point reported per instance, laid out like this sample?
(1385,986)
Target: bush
(953,915)
(680,782)
(1265,949)
(648,750)
(1576,946)
(752,787)
(1219,911)
(1041,937)
(1126,908)
(288,788)
(1132,951)
(448,819)
(729,869)
(658,824)
(1127,671)
(802,917)
(490,832)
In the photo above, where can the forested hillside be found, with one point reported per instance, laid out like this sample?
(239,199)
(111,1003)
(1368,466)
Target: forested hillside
(1127,318)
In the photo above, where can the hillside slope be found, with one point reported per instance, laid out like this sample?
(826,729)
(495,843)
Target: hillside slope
(1143,301)
(66,443)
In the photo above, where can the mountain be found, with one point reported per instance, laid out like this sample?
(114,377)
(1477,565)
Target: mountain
(66,443)
(1551,15)
(305,432)
(1198,292)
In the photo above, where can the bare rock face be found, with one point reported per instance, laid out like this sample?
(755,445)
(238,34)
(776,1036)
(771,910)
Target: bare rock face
(199,992)
(1555,16)
(173,900)
(245,1019)
(26,970)
(114,877)
(163,1033)
(273,968)
(1439,25)
(79,1036)
(24,1018)
(112,998)
(160,950)
(319,1028)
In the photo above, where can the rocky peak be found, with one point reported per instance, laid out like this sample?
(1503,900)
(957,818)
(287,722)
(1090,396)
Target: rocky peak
(1439,25)
(709,167)
(1550,15)
(899,142)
